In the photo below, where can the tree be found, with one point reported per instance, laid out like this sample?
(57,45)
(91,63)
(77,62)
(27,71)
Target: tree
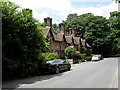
(79,22)
(84,21)
(54,26)
(97,33)
(71,21)
(22,41)
(94,29)
(114,22)
(117,1)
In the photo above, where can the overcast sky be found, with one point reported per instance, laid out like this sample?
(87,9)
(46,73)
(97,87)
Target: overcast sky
(59,9)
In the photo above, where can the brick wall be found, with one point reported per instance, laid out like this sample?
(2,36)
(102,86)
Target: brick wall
(55,45)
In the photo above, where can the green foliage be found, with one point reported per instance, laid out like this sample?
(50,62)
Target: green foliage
(83,56)
(79,22)
(115,20)
(88,51)
(72,21)
(114,36)
(97,33)
(41,24)
(54,27)
(49,56)
(81,60)
(101,33)
(22,41)
(88,58)
(82,49)
(69,52)
(76,55)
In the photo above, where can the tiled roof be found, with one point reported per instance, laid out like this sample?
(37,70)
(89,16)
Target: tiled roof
(68,39)
(76,40)
(87,45)
(83,42)
(57,36)
(46,31)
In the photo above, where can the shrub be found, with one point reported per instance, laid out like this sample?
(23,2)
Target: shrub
(88,51)
(42,58)
(69,52)
(48,56)
(82,50)
(83,56)
(75,61)
(76,55)
(88,58)
(81,60)
(63,57)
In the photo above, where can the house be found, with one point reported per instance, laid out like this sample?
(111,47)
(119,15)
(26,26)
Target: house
(59,40)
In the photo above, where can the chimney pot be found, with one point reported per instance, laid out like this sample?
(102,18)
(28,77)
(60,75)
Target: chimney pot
(72,31)
(48,21)
(62,27)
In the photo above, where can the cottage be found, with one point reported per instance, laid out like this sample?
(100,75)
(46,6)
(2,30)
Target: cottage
(59,40)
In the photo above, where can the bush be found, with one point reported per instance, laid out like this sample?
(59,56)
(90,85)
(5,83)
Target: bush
(69,52)
(42,58)
(63,57)
(83,56)
(76,55)
(88,58)
(88,51)
(75,61)
(82,50)
(48,56)
(81,60)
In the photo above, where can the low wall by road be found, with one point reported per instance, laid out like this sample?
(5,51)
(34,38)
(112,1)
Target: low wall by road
(70,61)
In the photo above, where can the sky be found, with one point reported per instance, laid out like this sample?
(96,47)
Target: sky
(58,10)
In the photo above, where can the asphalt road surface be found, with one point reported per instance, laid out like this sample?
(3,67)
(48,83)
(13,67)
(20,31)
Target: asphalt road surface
(99,74)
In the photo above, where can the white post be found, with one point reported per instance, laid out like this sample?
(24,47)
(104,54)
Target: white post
(70,61)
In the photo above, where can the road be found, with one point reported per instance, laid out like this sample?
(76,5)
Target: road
(100,74)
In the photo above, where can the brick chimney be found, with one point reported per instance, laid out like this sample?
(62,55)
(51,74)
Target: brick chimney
(72,31)
(48,21)
(62,28)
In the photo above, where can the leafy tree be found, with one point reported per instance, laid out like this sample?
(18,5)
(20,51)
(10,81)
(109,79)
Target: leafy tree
(95,29)
(117,1)
(114,36)
(54,26)
(22,41)
(115,20)
(84,20)
(97,35)
(41,24)
(79,22)
(71,21)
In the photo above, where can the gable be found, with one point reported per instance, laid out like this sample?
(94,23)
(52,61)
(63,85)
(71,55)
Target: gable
(57,36)
(46,31)
(76,40)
